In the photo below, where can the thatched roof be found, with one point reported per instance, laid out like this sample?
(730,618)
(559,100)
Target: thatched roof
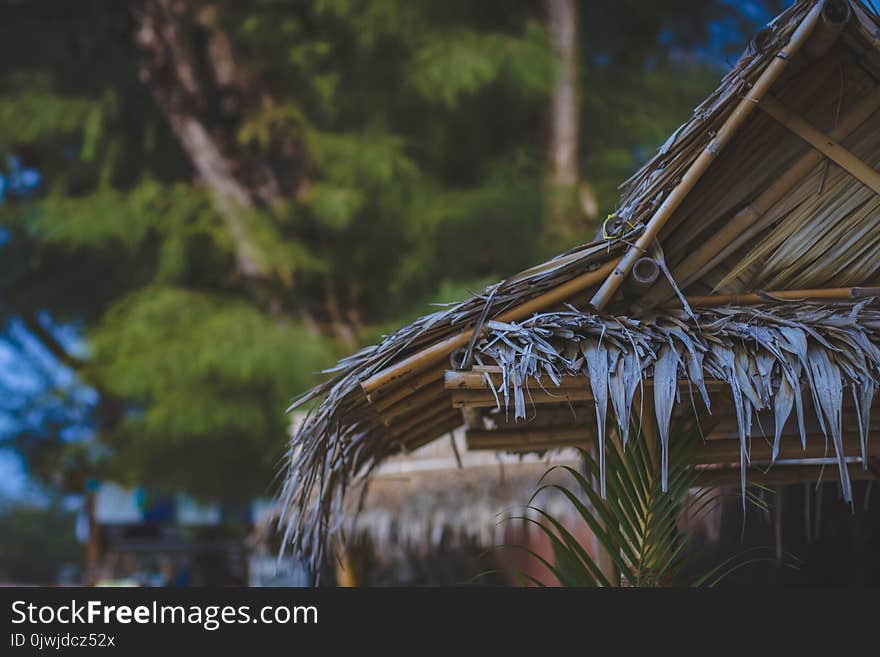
(770,186)
(445,495)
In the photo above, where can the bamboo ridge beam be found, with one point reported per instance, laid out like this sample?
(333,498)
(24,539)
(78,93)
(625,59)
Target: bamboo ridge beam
(422,360)
(738,230)
(737,117)
(822,142)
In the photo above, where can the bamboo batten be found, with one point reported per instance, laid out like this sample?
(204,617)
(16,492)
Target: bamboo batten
(472,390)
(711,452)
(707,156)
(424,397)
(421,438)
(417,421)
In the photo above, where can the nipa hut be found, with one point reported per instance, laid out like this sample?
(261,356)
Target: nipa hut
(738,275)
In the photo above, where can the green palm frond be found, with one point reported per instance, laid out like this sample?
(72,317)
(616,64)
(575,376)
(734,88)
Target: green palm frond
(636,523)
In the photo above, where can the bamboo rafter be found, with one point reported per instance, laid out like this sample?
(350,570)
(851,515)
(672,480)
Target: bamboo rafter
(821,142)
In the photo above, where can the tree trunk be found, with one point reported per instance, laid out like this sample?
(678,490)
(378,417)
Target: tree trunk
(205,91)
(564,217)
(198,83)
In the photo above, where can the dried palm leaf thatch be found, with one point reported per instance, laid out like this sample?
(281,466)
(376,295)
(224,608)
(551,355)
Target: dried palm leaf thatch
(821,235)
(766,354)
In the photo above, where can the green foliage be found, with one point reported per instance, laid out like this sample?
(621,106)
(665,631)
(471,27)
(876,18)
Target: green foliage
(33,116)
(203,370)
(636,523)
(448,66)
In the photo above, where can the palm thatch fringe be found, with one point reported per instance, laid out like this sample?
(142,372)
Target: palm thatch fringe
(766,354)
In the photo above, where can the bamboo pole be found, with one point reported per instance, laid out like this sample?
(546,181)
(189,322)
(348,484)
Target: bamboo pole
(831,294)
(736,232)
(727,450)
(782,474)
(742,111)
(465,383)
(469,380)
(415,402)
(416,421)
(422,438)
(822,142)
(527,439)
(392,396)
(485,398)
(423,359)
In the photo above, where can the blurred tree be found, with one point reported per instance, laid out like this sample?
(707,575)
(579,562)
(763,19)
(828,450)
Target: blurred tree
(221,196)
(36,543)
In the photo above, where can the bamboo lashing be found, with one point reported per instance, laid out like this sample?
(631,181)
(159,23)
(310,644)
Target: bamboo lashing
(422,360)
(737,117)
(822,142)
(737,231)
